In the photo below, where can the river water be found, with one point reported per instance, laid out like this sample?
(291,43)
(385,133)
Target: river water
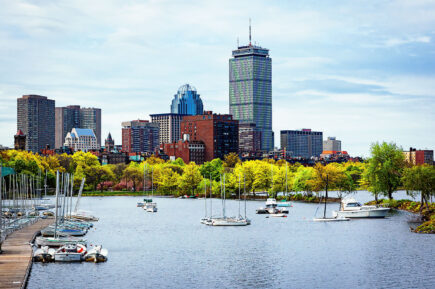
(172,249)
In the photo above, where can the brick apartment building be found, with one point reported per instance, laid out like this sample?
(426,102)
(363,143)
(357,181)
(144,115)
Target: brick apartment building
(218,132)
(140,136)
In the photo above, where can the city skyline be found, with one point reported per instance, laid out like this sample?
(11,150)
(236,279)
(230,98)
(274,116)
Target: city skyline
(347,72)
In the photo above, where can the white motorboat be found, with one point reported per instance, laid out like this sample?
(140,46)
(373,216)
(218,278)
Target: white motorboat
(96,255)
(44,254)
(350,208)
(279,215)
(150,207)
(70,253)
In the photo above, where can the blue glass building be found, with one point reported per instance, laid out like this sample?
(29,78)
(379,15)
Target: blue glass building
(187,101)
(250,91)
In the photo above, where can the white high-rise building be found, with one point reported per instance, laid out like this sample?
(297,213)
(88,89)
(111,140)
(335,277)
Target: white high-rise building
(81,139)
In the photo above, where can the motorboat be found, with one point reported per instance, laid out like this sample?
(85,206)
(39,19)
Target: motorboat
(272,208)
(283,203)
(44,254)
(59,241)
(279,215)
(350,208)
(96,255)
(70,253)
(150,207)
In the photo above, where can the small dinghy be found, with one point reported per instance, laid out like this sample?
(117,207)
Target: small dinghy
(278,215)
(70,253)
(44,254)
(96,255)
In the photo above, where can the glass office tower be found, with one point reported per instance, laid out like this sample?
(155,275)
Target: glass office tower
(251,90)
(187,101)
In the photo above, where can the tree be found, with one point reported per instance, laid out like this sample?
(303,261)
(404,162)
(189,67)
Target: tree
(134,174)
(231,159)
(98,175)
(189,181)
(421,179)
(213,168)
(384,169)
(301,179)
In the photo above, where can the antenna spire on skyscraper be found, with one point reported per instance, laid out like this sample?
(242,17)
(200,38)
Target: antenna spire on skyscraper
(249,31)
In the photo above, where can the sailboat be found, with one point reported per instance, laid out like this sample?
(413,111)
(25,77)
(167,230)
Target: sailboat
(149,205)
(285,203)
(325,219)
(228,221)
(145,200)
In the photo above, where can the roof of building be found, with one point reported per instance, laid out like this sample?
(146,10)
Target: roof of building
(109,137)
(20,132)
(78,132)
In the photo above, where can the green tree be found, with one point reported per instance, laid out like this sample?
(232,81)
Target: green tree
(385,167)
(420,179)
(213,168)
(189,181)
(231,160)
(98,175)
(134,174)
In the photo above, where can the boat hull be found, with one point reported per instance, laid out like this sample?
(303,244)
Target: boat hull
(330,219)
(67,257)
(374,213)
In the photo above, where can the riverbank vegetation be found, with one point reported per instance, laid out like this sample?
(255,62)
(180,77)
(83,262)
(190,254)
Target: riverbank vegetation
(382,174)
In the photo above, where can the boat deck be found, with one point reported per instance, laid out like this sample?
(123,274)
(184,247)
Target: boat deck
(16,259)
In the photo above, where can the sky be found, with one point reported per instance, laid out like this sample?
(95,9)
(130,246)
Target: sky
(362,71)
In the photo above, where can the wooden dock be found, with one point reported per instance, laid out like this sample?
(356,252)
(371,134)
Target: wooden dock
(16,259)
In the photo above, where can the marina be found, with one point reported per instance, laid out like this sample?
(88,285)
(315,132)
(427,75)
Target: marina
(175,248)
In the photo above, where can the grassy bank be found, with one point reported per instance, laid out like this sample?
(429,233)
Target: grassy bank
(292,197)
(428,214)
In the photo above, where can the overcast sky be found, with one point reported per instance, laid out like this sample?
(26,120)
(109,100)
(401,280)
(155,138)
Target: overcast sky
(362,71)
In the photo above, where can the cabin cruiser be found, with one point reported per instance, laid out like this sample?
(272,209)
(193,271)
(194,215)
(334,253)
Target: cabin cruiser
(150,207)
(272,208)
(350,208)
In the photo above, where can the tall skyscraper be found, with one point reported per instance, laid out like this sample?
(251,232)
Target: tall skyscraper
(66,118)
(169,126)
(302,143)
(187,101)
(35,118)
(140,136)
(91,118)
(250,91)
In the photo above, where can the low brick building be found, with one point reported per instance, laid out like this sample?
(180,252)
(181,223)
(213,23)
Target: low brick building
(189,151)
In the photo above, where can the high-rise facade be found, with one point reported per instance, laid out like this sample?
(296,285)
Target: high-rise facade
(66,118)
(140,136)
(332,144)
(249,138)
(91,118)
(187,101)
(35,118)
(73,116)
(218,132)
(250,90)
(169,126)
(302,143)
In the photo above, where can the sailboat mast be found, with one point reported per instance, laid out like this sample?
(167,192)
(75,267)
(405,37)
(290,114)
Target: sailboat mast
(57,204)
(223,207)
(205,197)
(211,197)
(239,195)
(244,191)
(326,196)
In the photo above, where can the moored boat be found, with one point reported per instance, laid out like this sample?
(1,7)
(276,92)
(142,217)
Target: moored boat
(350,208)
(44,254)
(96,255)
(70,253)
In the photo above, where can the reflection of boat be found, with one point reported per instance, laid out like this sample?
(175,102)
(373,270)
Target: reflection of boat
(350,208)
(70,253)
(96,255)
(44,254)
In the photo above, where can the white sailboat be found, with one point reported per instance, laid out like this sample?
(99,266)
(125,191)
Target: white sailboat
(150,206)
(228,221)
(325,219)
